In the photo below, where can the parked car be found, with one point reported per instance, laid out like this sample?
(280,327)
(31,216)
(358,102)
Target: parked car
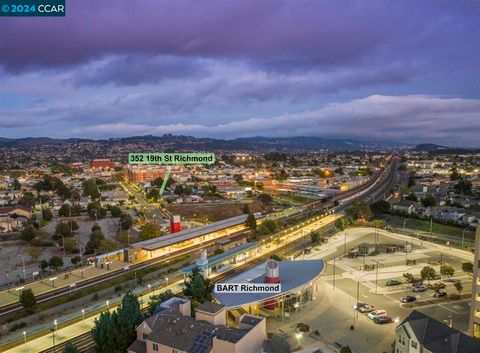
(440,285)
(393,282)
(376,313)
(382,320)
(408,299)
(439,294)
(358,306)
(419,288)
(366,308)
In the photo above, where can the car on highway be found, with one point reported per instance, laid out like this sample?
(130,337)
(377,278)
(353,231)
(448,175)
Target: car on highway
(408,299)
(382,320)
(439,294)
(376,313)
(366,308)
(419,288)
(393,282)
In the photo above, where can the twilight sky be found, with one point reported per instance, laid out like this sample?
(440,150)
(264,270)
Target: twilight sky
(406,71)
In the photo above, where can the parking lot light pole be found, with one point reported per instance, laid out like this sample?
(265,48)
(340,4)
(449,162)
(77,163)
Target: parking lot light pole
(334,259)
(356,303)
(406,254)
(376,279)
(25,340)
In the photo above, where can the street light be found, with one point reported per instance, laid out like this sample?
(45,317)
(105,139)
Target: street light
(149,288)
(167,280)
(83,315)
(25,340)
(463,236)
(108,304)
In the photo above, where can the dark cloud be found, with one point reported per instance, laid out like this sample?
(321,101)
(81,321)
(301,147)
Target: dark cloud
(280,35)
(133,70)
(111,68)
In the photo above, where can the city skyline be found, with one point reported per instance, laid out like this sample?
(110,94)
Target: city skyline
(404,72)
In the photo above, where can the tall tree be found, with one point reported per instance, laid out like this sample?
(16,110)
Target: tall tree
(55,262)
(428,273)
(198,288)
(447,270)
(16,184)
(105,334)
(251,223)
(27,299)
(127,319)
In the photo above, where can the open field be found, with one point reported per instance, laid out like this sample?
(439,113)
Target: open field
(422,226)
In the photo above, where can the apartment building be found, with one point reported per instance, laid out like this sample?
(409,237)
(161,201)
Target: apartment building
(419,333)
(173,329)
(474,327)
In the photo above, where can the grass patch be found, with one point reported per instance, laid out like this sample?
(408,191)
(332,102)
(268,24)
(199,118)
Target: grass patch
(419,225)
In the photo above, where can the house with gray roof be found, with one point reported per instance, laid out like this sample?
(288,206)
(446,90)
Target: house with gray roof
(173,329)
(420,333)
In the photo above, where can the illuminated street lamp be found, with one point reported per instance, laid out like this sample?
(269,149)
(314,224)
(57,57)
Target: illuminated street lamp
(149,288)
(25,340)
(108,304)
(83,315)
(167,280)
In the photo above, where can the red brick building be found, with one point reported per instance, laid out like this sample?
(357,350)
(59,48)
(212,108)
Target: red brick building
(102,164)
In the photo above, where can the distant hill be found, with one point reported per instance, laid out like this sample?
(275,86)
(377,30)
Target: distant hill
(429,147)
(35,141)
(174,142)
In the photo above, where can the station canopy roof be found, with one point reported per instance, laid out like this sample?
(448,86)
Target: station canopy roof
(188,234)
(293,275)
(221,257)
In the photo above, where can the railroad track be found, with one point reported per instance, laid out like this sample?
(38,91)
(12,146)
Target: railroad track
(85,342)
(309,207)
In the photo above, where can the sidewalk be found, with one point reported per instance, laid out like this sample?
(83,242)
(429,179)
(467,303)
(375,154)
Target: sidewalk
(50,283)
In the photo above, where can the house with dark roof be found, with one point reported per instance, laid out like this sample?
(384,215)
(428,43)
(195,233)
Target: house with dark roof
(405,206)
(173,329)
(13,219)
(420,333)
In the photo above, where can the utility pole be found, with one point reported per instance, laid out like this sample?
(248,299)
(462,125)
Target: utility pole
(334,259)
(354,311)
(23,267)
(406,253)
(376,278)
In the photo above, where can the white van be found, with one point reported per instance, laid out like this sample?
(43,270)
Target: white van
(376,313)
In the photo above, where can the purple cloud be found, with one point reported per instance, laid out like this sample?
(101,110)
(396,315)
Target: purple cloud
(237,68)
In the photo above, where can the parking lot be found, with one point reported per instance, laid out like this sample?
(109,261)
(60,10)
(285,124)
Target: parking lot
(348,280)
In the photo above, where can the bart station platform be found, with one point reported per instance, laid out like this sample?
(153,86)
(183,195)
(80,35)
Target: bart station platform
(61,280)
(222,262)
(188,238)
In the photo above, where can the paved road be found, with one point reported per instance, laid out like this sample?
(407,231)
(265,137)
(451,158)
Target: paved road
(332,313)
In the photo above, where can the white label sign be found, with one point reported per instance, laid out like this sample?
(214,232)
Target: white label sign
(248,288)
